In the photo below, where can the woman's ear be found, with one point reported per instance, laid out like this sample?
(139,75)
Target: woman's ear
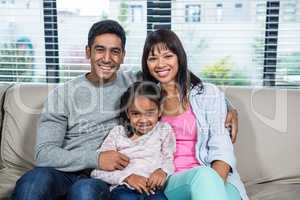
(159,113)
(87,52)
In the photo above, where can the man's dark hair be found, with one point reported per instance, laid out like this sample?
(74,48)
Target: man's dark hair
(106,26)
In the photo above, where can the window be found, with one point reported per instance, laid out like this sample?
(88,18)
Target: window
(192,13)
(260,11)
(288,52)
(7,2)
(241,11)
(238,5)
(219,12)
(228,47)
(289,11)
(223,50)
(136,13)
(22,49)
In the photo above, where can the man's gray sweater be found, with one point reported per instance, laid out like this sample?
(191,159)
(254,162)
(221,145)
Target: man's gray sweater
(76,118)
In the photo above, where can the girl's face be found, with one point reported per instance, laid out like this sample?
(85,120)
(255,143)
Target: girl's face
(143,115)
(163,64)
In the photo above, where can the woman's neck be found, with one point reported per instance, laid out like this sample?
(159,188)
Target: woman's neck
(172,103)
(171,89)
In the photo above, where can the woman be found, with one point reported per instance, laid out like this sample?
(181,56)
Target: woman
(204,158)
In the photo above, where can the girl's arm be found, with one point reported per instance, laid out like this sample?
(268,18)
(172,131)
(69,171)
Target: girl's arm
(110,144)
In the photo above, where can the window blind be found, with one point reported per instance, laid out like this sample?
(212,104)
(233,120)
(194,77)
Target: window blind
(228,42)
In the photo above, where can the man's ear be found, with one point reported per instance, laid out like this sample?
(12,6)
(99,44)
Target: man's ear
(123,56)
(87,52)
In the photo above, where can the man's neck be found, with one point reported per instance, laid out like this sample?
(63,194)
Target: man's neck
(95,80)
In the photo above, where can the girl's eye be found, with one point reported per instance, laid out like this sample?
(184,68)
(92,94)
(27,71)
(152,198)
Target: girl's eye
(149,114)
(135,113)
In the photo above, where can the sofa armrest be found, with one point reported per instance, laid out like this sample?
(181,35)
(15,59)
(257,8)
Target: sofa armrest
(3,89)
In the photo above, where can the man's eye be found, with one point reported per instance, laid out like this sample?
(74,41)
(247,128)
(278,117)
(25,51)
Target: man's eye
(99,50)
(116,52)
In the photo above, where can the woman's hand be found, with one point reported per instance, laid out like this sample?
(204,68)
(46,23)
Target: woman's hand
(157,179)
(139,183)
(221,168)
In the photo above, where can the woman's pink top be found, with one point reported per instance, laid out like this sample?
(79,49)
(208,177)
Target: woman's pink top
(185,129)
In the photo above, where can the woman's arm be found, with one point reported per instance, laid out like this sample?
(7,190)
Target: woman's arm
(220,148)
(168,148)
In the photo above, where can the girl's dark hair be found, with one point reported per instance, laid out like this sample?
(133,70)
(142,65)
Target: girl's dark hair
(185,78)
(141,88)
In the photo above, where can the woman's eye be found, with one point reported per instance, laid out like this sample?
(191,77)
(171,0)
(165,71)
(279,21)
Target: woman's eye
(151,59)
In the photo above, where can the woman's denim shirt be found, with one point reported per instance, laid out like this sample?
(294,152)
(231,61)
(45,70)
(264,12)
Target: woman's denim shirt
(210,110)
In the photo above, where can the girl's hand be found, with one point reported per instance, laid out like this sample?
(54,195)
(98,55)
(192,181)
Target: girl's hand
(139,183)
(157,179)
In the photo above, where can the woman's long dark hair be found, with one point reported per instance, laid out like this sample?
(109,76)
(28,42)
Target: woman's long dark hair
(185,78)
(146,89)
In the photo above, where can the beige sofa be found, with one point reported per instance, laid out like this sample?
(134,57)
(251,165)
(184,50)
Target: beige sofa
(267,147)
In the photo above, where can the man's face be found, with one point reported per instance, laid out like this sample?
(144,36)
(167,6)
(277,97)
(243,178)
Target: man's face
(106,56)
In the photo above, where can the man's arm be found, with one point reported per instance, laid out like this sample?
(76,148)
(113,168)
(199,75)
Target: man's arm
(51,132)
(231,121)
(109,158)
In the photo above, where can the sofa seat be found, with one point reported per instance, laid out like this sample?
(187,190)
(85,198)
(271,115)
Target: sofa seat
(274,191)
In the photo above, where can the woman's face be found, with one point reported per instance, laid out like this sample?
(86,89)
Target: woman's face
(163,64)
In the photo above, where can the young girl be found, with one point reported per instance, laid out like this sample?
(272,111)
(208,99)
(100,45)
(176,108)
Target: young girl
(148,143)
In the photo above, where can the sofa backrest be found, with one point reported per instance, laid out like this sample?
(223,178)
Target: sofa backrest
(3,88)
(266,148)
(268,141)
(22,106)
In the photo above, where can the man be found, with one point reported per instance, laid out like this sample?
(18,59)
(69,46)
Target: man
(76,118)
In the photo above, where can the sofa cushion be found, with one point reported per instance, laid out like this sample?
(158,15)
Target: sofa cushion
(3,88)
(273,191)
(22,106)
(268,141)
(8,177)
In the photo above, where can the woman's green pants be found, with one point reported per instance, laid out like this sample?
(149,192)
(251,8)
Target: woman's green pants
(200,183)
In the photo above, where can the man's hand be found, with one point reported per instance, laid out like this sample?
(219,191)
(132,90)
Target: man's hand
(112,160)
(231,122)
(157,179)
(139,183)
(221,168)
